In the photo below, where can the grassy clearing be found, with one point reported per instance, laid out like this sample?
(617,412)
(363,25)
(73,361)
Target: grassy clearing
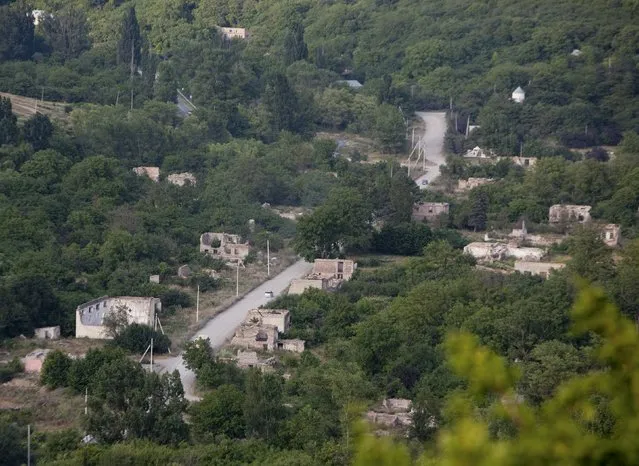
(25,107)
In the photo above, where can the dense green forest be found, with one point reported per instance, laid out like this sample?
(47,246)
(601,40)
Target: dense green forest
(76,222)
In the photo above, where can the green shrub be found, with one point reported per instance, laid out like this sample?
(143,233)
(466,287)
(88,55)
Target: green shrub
(55,370)
(9,370)
(137,337)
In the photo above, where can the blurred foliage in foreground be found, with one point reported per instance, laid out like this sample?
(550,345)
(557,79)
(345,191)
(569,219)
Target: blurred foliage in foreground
(591,419)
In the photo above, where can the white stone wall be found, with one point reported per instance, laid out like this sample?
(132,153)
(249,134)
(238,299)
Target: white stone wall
(89,317)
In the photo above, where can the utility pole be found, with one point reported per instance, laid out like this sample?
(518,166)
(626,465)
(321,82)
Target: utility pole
(86,400)
(42,98)
(151,355)
(412,140)
(197,304)
(468,126)
(237,279)
(29,445)
(268,258)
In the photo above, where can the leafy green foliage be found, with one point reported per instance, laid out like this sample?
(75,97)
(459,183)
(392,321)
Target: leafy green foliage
(10,369)
(55,370)
(220,412)
(17,39)
(137,337)
(565,428)
(8,122)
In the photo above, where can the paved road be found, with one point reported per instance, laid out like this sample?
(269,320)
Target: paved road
(433,142)
(222,326)
(184,105)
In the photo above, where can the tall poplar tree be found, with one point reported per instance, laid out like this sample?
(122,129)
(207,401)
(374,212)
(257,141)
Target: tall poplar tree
(130,45)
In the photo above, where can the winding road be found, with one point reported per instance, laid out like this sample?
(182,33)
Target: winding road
(433,144)
(223,325)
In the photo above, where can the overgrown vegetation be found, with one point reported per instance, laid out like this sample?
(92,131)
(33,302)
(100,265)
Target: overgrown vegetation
(77,223)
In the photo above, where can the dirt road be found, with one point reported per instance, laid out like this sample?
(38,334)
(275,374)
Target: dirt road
(222,326)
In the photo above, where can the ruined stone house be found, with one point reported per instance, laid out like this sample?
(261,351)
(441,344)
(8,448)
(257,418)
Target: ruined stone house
(151,172)
(478,153)
(180,179)
(90,316)
(224,246)
(493,251)
(472,183)
(233,33)
(541,269)
(522,161)
(280,318)
(429,210)
(340,269)
(393,412)
(293,345)
(255,336)
(566,213)
(610,234)
(47,333)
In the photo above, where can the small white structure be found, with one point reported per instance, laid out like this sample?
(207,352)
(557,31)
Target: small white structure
(47,333)
(89,316)
(478,153)
(486,251)
(294,345)
(429,210)
(520,233)
(154,279)
(279,318)
(610,234)
(472,183)
(224,245)
(518,95)
(522,161)
(39,16)
(352,83)
(151,172)
(525,254)
(576,53)
(492,251)
(233,33)
(559,213)
(542,269)
(181,179)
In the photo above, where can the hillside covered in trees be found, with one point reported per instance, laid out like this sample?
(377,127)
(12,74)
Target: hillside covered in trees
(157,83)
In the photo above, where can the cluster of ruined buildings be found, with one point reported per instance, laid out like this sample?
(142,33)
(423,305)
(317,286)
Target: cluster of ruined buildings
(477,154)
(327,274)
(394,413)
(227,247)
(178,179)
(261,330)
(528,259)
